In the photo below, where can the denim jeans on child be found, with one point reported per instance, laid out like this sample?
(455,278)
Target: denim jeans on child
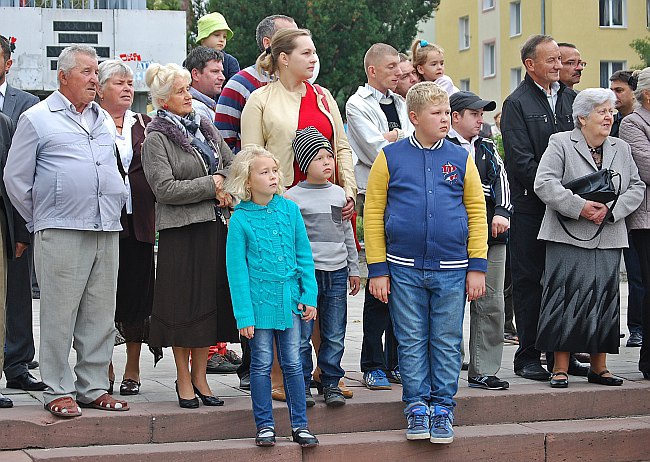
(288,346)
(332,319)
(427,310)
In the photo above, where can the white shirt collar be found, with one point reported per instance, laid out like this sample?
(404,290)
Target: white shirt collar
(555,87)
(379,96)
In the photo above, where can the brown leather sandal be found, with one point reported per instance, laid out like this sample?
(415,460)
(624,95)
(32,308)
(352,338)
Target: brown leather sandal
(107,403)
(65,407)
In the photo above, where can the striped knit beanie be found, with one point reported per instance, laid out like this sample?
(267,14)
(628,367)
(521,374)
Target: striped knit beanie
(306,145)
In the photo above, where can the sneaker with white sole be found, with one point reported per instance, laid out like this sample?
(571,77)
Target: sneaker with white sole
(417,419)
(376,380)
(488,382)
(442,419)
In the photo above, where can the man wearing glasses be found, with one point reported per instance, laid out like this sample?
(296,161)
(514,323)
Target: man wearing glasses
(572,66)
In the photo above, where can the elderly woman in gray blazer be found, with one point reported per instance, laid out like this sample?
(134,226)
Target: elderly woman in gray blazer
(580,302)
(635,129)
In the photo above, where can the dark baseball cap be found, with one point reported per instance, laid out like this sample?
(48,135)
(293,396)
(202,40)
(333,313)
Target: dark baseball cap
(468,100)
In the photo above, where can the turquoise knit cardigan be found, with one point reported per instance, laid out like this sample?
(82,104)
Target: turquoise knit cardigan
(269,264)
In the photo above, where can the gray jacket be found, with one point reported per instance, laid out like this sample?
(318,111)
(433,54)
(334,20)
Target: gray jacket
(184,191)
(635,129)
(17,102)
(59,175)
(566,158)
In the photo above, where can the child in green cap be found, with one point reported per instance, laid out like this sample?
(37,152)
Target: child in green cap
(214,33)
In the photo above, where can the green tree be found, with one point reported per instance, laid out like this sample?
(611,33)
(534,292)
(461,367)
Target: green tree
(642,48)
(342,30)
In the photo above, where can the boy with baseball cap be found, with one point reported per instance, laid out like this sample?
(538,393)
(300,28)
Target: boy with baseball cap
(486,313)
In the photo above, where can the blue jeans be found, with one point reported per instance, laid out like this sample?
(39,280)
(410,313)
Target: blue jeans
(288,346)
(332,320)
(427,310)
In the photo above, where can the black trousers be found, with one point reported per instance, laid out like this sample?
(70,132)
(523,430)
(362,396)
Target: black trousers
(636,291)
(19,343)
(245,366)
(642,242)
(527,257)
(376,320)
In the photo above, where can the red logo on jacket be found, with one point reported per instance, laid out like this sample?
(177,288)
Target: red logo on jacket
(450,172)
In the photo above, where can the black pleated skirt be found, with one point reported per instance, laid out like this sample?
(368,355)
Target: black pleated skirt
(580,300)
(192,306)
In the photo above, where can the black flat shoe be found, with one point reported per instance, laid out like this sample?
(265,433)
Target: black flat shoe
(304,437)
(559,380)
(265,437)
(5,402)
(599,379)
(129,387)
(186,403)
(208,400)
(26,382)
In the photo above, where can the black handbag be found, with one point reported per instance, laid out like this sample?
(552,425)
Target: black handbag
(597,186)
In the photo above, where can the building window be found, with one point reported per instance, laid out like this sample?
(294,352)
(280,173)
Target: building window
(515,78)
(488,4)
(607,68)
(463,33)
(515,19)
(464,84)
(612,13)
(489,60)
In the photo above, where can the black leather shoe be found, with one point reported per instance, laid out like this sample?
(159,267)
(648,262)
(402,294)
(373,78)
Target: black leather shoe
(592,377)
(559,380)
(533,371)
(577,368)
(5,402)
(32,365)
(634,340)
(26,382)
(186,403)
(208,400)
(245,382)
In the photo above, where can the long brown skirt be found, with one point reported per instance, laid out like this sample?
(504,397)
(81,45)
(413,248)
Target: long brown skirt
(192,306)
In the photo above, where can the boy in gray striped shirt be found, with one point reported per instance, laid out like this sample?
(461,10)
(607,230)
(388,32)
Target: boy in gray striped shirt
(335,258)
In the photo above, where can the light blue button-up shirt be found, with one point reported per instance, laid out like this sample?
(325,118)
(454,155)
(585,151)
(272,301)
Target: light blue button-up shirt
(61,169)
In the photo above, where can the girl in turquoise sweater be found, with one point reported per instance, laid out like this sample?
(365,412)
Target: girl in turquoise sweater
(273,286)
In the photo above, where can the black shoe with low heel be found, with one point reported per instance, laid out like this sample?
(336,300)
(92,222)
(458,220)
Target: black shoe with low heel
(601,380)
(208,400)
(559,380)
(186,403)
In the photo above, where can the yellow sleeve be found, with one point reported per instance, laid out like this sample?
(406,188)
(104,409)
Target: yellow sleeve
(252,124)
(373,217)
(474,201)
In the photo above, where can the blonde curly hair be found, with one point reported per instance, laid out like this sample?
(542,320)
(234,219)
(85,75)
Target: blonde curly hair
(240,172)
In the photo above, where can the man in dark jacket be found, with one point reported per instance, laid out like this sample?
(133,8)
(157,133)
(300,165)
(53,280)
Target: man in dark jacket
(19,346)
(487,313)
(14,237)
(540,106)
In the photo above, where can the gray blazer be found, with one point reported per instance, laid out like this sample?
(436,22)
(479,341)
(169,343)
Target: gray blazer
(566,158)
(17,102)
(635,129)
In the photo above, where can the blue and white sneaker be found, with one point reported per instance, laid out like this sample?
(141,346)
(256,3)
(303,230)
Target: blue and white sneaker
(376,380)
(394,376)
(417,418)
(442,419)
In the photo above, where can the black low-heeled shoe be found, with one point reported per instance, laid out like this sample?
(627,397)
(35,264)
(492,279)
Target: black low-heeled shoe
(593,377)
(186,403)
(208,400)
(559,380)
(265,437)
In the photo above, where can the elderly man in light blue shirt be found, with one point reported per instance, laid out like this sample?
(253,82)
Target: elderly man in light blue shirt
(62,176)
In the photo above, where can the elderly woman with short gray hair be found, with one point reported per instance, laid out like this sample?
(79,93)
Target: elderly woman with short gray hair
(635,129)
(580,301)
(135,278)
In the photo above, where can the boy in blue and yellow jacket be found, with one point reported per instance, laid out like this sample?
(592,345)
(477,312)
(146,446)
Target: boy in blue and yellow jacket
(426,246)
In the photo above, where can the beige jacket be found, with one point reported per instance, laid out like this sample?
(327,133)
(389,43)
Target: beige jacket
(635,129)
(270,119)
